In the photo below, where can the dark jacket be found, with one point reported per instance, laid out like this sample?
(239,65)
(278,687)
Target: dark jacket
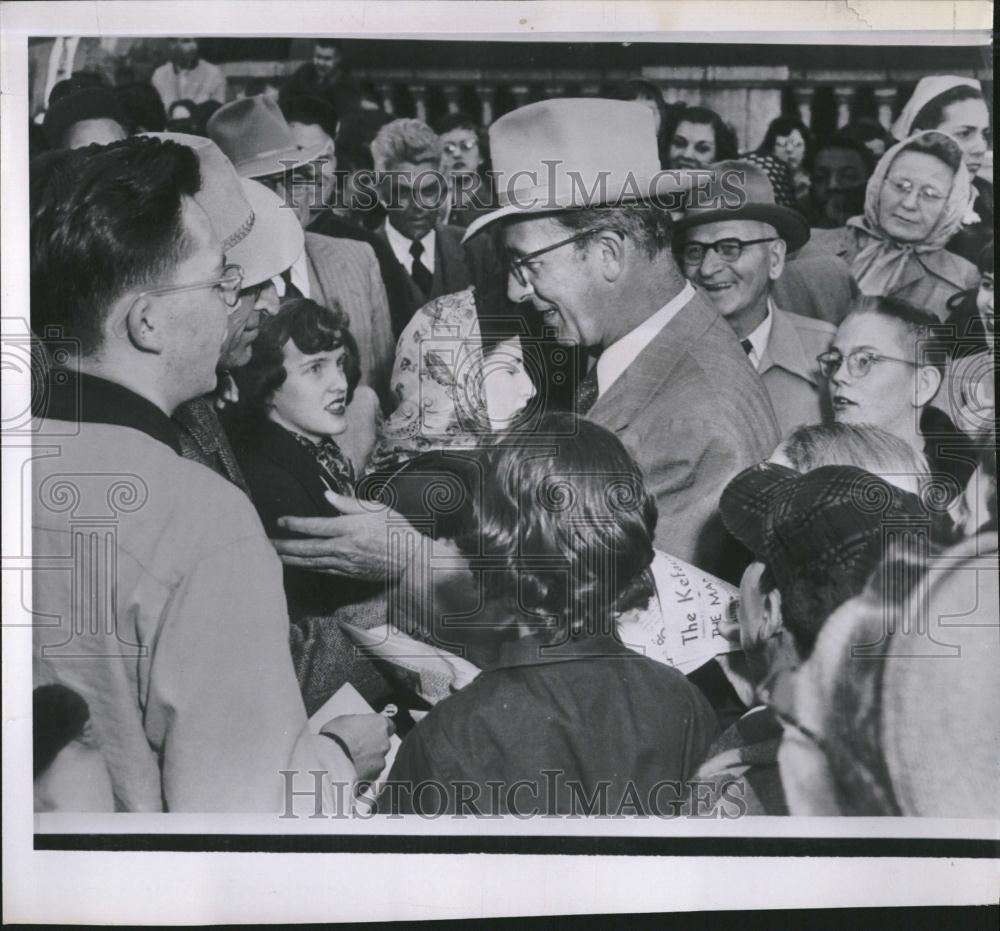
(342,92)
(284,479)
(394,277)
(589,721)
(456,266)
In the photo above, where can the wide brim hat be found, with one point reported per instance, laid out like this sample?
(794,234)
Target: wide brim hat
(256,138)
(256,231)
(576,153)
(276,240)
(745,193)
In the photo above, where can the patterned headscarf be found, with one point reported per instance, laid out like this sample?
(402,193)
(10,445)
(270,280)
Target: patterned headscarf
(882,261)
(438,381)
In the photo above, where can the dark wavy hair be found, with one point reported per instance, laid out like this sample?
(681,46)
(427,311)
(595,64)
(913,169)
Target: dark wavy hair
(565,527)
(112,223)
(931,114)
(313,328)
(942,146)
(726,145)
(783,126)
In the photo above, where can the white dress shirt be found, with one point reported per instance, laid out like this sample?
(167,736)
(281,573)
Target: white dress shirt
(620,355)
(759,337)
(299,276)
(401,248)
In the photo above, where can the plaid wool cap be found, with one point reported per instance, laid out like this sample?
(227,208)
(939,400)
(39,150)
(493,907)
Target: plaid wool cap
(830,518)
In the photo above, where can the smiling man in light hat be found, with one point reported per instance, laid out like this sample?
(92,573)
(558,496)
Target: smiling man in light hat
(735,255)
(590,249)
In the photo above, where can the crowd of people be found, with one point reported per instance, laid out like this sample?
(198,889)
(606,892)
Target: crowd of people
(328,370)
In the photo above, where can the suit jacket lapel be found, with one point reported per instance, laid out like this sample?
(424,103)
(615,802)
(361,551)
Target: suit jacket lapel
(632,390)
(316,290)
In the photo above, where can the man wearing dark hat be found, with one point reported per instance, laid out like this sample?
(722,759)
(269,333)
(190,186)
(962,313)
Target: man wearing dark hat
(592,253)
(85,117)
(734,255)
(816,538)
(332,271)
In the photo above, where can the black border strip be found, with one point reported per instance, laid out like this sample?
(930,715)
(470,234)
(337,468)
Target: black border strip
(564,846)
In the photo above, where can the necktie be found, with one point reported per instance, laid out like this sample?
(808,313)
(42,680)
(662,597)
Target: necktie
(747,346)
(421,273)
(290,289)
(586,392)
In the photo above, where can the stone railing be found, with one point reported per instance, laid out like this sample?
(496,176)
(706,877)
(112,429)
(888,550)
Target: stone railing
(746,97)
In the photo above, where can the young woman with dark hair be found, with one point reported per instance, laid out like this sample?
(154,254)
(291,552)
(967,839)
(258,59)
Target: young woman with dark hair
(294,397)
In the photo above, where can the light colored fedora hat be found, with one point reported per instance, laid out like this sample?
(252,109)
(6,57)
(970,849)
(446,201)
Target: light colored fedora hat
(256,138)
(256,231)
(576,152)
(751,182)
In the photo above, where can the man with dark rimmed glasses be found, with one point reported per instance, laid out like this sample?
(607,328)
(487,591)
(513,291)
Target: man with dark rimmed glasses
(735,256)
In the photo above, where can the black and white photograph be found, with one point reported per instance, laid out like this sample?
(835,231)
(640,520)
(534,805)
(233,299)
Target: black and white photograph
(476,460)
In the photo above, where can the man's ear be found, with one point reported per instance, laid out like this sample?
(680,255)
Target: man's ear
(772,625)
(612,247)
(144,324)
(928,382)
(776,259)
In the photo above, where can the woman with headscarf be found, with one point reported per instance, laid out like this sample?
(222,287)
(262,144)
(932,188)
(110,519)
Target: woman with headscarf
(956,106)
(455,384)
(914,204)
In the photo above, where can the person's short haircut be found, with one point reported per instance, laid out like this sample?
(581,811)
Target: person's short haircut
(942,146)
(649,226)
(310,111)
(569,522)
(143,108)
(726,146)
(920,328)
(329,43)
(406,141)
(111,224)
(867,447)
(931,114)
(808,601)
(312,328)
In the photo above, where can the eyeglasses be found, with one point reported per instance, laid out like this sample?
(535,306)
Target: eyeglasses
(517,265)
(228,284)
(905,187)
(453,148)
(729,250)
(859,362)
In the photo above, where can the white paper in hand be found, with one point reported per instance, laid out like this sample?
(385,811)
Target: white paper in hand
(681,626)
(348,700)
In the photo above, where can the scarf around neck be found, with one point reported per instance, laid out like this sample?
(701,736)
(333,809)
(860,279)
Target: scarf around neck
(883,261)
